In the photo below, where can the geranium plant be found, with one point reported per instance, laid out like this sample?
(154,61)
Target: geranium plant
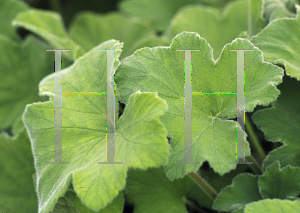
(149,106)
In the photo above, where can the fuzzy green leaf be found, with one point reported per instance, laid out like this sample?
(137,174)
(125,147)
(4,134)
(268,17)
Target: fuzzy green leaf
(161,70)
(140,138)
(49,26)
(274,206)
(217,27)
(90,29)
(281,46)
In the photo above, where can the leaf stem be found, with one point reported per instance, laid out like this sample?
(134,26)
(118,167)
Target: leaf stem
(203,184)
(254,138)
(255,167)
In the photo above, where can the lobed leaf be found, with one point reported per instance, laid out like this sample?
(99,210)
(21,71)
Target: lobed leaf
(90,29)
(139,142)
(218,27)
(49,26)
(243,190)
(280,43)
(286,180)
(281,123)
(161,70)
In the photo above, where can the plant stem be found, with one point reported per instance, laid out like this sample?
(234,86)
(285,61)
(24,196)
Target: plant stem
(203,184)
(192,205)
(254,138)
(255,167)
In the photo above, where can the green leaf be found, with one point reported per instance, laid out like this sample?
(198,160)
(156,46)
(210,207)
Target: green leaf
(22,68)
(162,195)
(90,29)
(243,190)
(17,192)
(8,11)
(217,27)
(281,123)
(140,138)
(281,46)
(116,206)
(274,206)
(275,9)
(255,22)
(161,70)
(157,13)
(71,203)
(49,26)
(286,180)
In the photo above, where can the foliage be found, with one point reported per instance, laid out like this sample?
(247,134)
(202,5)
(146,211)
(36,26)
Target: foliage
(149,77)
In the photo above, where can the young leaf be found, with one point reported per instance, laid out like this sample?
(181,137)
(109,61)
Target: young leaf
(90,29)
(22,68)
(274,206)
(140,138)
(8,11)
(217,27)
(281,123)
(49,26)
(162,194)
(243,190)
(161,70)
(281,46)
(17,192)
(280,183)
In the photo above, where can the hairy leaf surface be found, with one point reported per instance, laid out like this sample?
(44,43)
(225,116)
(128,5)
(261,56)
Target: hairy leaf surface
(49,26)
(217,27)
(280,43)
(161,70)
(274,206)
(140,138)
